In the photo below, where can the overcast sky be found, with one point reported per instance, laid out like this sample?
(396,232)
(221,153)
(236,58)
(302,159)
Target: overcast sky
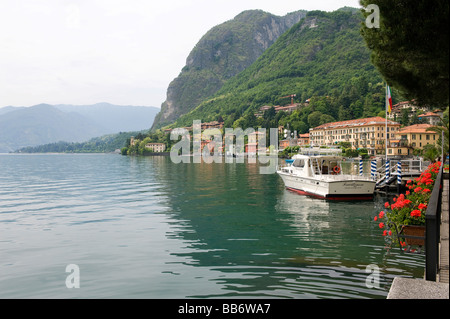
(123,52)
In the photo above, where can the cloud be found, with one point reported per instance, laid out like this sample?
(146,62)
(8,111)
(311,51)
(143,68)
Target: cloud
(73,16)
(71,52)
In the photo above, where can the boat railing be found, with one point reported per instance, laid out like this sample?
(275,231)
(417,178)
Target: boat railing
(348,171)
(373,169)
(315,151)
(353,177)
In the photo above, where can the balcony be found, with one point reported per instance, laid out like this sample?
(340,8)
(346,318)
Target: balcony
(398,143)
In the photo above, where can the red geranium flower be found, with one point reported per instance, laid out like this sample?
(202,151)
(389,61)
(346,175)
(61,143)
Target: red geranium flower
(416,213)
(422,206)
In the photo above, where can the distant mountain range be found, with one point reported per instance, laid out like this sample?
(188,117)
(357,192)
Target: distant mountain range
(44,123)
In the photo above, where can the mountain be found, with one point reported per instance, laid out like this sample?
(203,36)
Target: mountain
(323,59)
(221,53)
(43,123)
(115,118)
(6,109)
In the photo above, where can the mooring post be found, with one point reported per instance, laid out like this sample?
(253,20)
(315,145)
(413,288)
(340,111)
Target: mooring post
(399,176)
(388,174)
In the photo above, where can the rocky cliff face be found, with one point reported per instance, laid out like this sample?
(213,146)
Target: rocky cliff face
(221,53)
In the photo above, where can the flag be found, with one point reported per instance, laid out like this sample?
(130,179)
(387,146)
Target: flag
(388,99)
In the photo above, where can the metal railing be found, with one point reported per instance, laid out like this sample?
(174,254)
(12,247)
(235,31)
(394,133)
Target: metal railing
(408,167)
(432,229)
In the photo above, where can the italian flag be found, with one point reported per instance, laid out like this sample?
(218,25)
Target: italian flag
(388,99)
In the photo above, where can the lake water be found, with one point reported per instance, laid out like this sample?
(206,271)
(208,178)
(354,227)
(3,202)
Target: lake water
(144,227)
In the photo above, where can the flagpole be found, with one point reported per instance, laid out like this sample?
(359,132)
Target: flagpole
(386,116)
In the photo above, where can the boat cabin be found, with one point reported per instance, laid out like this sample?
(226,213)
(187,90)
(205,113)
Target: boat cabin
(316,165)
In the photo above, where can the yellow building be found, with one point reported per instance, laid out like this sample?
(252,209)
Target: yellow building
(410,138)
(368,133)
(156,147)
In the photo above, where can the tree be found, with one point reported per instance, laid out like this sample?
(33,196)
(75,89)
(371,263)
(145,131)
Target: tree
(230,120)
(345,145)
(404,120)
(344,114)
(363,152)
(269,114)
(349,152)
(382,114)
(314,119)
(443,127)
(430,153)
(411,48)
(325,118)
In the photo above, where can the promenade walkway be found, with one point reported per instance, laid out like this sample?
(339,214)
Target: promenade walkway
(407,288)
(443,261)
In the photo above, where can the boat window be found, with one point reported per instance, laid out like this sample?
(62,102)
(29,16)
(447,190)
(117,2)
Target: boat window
(299,163)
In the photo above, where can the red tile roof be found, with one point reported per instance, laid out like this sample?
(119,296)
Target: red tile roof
(416,128)
(429,114)
(357,122)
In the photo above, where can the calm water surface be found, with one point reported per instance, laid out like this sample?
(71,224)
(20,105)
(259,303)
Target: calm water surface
(148,228)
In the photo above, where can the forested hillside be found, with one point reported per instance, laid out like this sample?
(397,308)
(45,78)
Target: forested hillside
(323,58)
(103,144)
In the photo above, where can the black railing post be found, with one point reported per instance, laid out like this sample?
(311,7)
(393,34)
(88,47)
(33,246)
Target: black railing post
(432,232)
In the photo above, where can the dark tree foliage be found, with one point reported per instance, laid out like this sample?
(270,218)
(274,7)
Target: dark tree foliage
(411,48)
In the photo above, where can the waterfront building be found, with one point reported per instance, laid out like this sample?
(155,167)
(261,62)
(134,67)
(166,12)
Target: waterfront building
(156,147)
(204,126)
(412,137)
(283,144)
(369,133)
(208,143)
(253,147)
(303,139)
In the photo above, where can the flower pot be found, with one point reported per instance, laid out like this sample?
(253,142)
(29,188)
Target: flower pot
(415,231)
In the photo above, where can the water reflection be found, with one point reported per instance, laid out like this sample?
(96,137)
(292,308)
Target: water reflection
(304,211)
(145,227)
(254,238)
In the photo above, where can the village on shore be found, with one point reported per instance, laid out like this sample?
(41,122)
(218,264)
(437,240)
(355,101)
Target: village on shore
(365,136)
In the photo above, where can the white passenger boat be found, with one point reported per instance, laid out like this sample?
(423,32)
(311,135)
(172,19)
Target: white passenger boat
(320,175)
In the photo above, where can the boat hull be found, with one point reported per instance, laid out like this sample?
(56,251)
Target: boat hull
(331,190)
